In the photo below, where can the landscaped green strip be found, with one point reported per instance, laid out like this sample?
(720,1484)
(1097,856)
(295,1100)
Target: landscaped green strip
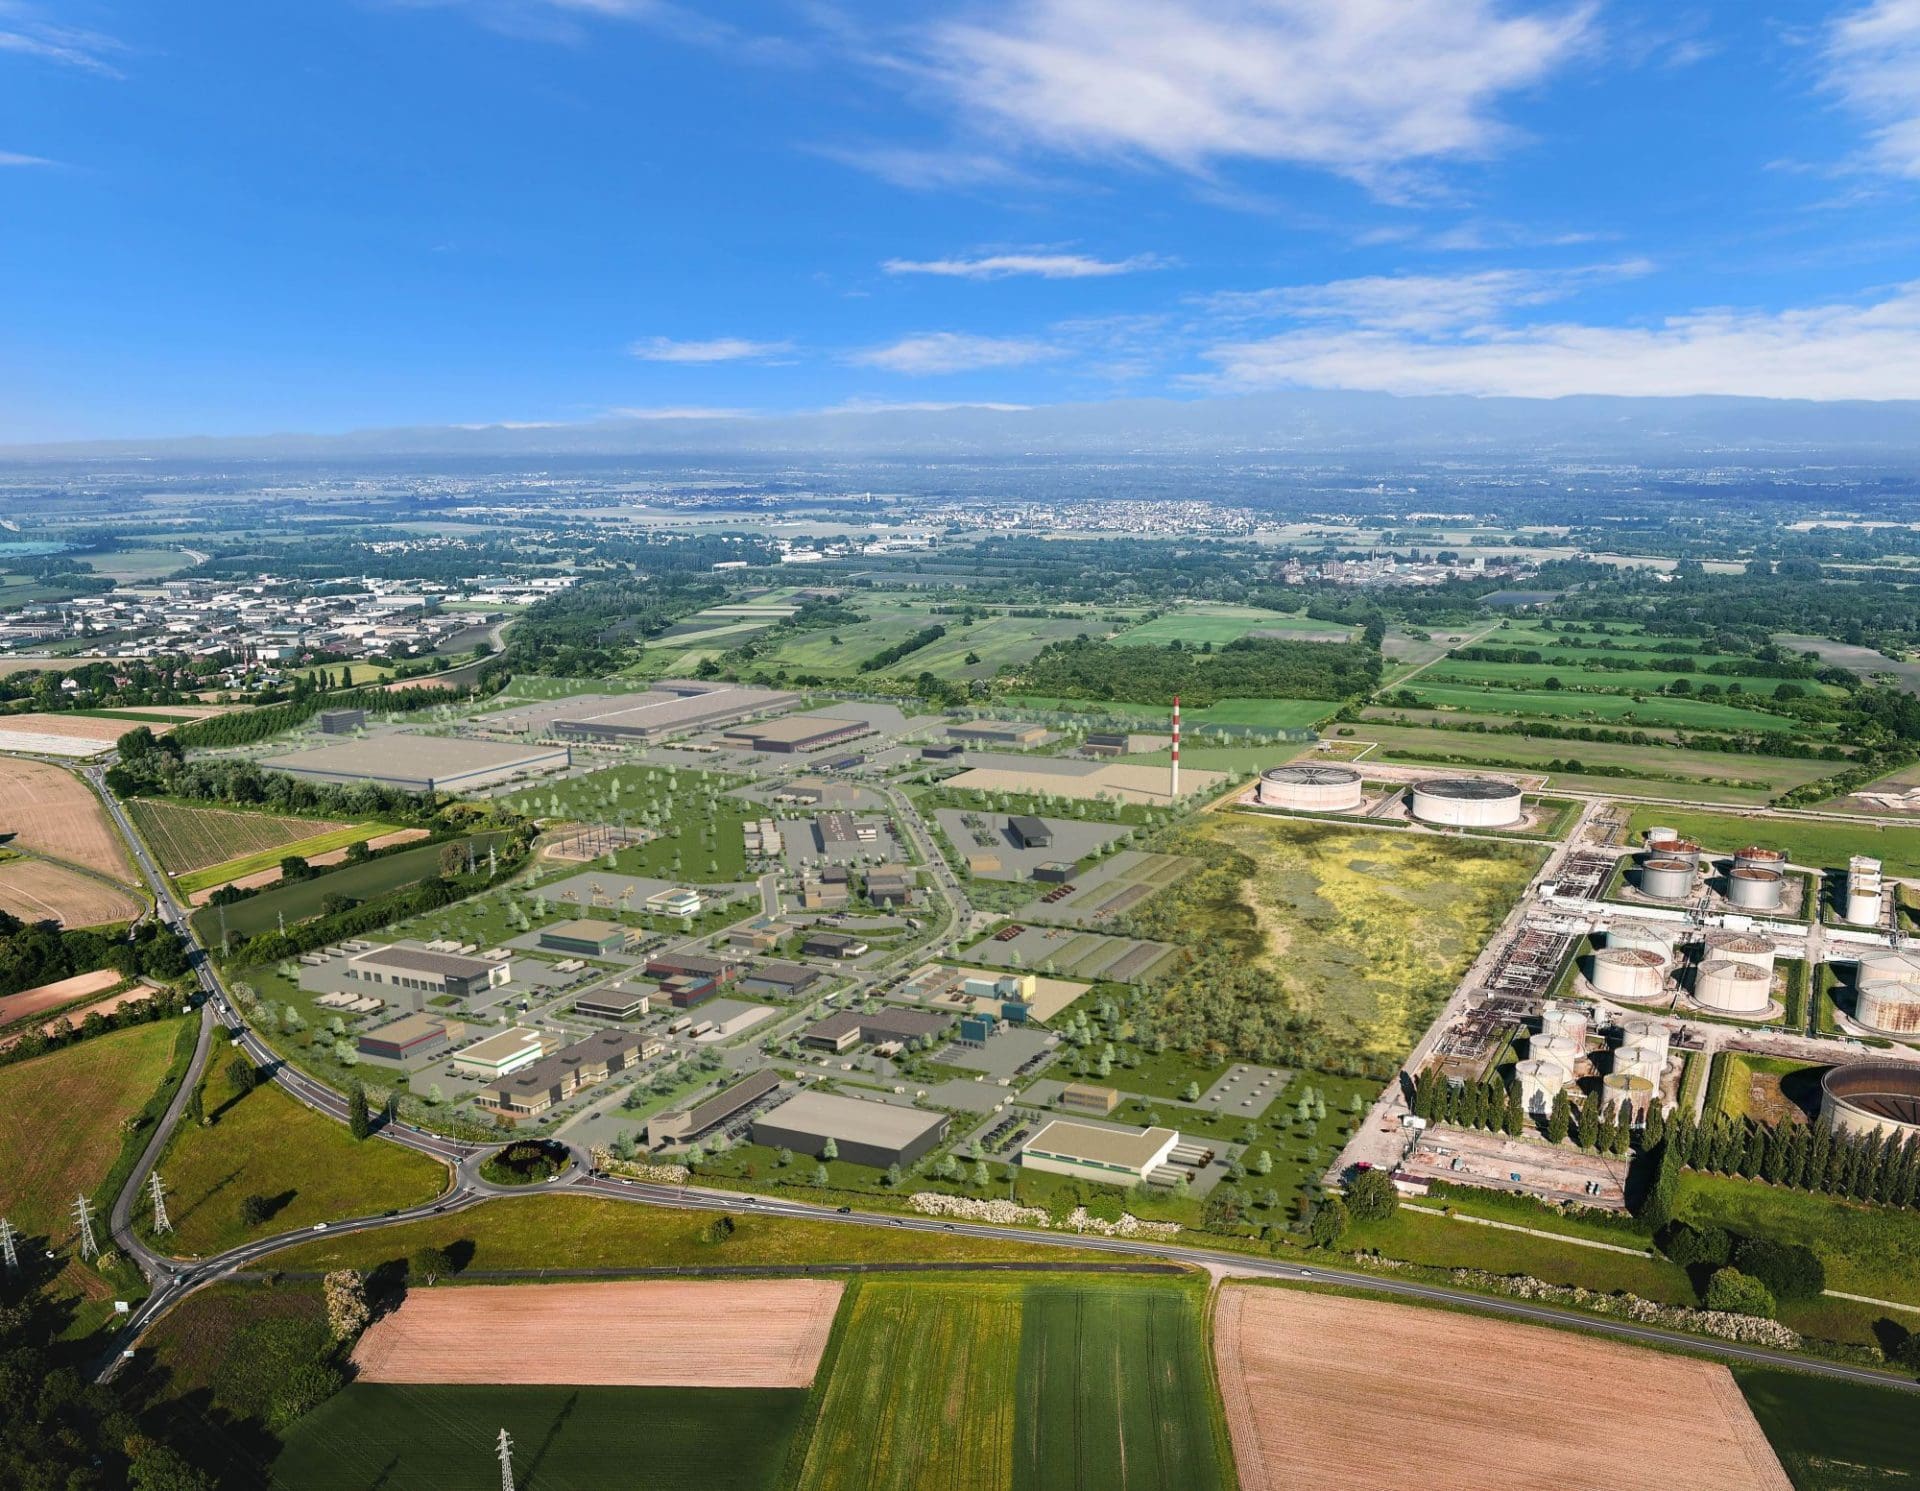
(1815,843)
(1834,1436)
(267,859)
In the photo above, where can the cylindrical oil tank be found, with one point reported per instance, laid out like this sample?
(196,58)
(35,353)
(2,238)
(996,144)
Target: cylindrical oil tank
(1654,1034)
(1873,1097)
(1628,972)
(1758,857)
(1888,966)
(1540,1083)
(1732,988)
(1309,788)
(1754,889)
(1564,1019)
(1632,1093)
(1559,1049)
(1685,849)
(1467,802)
(1864,908)
(1891,1009)
(1667,879)
(1655,939)
(1741,947)
(1657,836)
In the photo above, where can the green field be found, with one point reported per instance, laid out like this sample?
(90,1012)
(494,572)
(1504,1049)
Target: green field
(1807,841)
(697,822)
(389,1436)
(1612,709)
(1870,1250)
(1035,1386)
(1572,674)
(1268,714)
(187,837)
(1220,625)
(308,1169)
(1835,1436)
(267,859)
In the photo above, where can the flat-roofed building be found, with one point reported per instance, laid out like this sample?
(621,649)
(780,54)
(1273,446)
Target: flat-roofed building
(891,885)
(780,980)
(499,1054)
(670,706)
(413,974)
(422,763)
(1084,1097)
(832,945)
(841,830)
(950,751)
(619,1000)
(1090,1152)
(342,721)
(998,732)
(410,1038)
(1029,832)
(796,734)
(866,1133)
(891,1024)
(837,1033)
(676,900)
(551,1080)
(684,1125)
(588,936)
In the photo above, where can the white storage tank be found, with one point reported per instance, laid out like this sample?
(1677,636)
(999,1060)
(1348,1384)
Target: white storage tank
(1648,1060)
(1628,972)
(1754,889)
(1308,788)
(1667,879)
(1685,849)
(1564,1019)
(1632,1093)
(1561,1050)
(1758,857)
(1540,1083)
(1655,939)
(1731,988)
(1654,837)
(1741,947)
(1890,1009)
(1866,902)
(1467,802)
(1873,1097)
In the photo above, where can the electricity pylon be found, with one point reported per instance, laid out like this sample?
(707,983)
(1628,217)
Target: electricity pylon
(157,1189)
(83,1216)
(506,1461)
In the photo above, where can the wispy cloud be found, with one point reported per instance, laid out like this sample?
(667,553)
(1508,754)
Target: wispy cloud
(561,21)
(1835,351)
(25,32)
(1362,88)
(922,169)
(955,352)
(679,411)
(1872,59)
(10,158)
(1425,303)
(919,406)
(716,349)
(1044,266)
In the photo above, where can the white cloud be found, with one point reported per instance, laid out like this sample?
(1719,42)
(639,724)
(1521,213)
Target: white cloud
(919,406)
(687,411)
(1424,303)
(955,352)
(1045,266)
(922,169)
(1363,88)
(1873,62)
(9,158)
(717,349)
(558,21)
(1839,351)
(24,33)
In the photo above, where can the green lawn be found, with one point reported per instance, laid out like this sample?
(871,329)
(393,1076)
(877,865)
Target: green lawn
(1870,1250)
(695,819)
(387,1436)
(266,1144)
(1572,671)
(1807,841)
(1220,625)
(1611,709)
(1439,1242)
(1835,1436)
(1270,714)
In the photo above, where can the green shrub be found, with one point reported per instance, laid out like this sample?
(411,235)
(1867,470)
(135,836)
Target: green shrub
(1732,1291)
(1789,1270)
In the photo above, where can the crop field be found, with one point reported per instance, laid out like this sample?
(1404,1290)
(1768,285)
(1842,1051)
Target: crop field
(1835,1436)
(734,1333)
(383,1437)
(1317,1391)
(34,891)
(306,1169)
(185,839)
(51,811)
(1807,841)
(1222,624)
(1571,672)
(30,1002)
(1366,927)
(1043,1385)
(1269,714)
(315,849)
(1612,709)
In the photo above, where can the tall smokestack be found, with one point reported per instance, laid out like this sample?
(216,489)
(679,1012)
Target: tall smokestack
(1173,785)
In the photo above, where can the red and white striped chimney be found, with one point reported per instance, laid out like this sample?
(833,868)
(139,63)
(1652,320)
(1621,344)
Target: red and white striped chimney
(1173,787)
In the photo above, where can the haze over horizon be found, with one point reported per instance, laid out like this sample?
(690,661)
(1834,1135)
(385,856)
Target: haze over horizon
(447,213)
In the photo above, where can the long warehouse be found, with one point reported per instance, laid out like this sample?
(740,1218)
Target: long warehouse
(422,763)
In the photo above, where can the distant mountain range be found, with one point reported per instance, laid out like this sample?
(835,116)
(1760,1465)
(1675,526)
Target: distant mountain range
(1281,425)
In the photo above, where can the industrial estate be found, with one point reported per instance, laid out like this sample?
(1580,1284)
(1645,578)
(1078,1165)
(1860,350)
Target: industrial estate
(665,1026)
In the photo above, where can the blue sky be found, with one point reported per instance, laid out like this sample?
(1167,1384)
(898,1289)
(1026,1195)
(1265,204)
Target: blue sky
(230,216)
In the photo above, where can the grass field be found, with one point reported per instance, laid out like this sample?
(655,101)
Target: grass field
(1220,625)
(1610,709)
(1835,1436)
(697,823)
(1868,1250)
(269,859)
(185,838)
(308,1168)
(1807,841)
(1041,1385)
(1571,667)
(1268,714)
(374,1435)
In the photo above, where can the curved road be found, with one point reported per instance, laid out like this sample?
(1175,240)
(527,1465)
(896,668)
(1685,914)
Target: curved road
(172,1279)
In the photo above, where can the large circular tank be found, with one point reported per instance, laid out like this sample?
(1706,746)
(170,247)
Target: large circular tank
(1644,1032)
(1628,972)
(1647,1061)
(1309,788)
(1561,1050)
(1562,1019)
(1873,1097)
(1540,1082)
(1681,849)
(1467,802)
(1732,988)
(1667,879)
(1757,857)
(1888,966)
(1752,888)
(1891,1009)
(1655,939)
(1656,836)
(1632,1093)
(1741,947)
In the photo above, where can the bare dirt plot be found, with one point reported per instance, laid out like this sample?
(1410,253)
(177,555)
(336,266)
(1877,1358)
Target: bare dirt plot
(1340,1394)
(62,991)
(78,1017)
(48,809)
(36,891)
(745,1333)
(70,726)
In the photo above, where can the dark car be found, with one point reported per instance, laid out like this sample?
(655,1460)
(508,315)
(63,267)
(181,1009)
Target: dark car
(846,1211)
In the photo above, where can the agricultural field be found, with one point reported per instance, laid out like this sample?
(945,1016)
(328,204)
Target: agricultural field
(187,838)
(316,849)
(303,1167)
(1618,678)
(1835,1436)
(1194,626)
(1367,928)
(1038,1385)
(35,890)
(373,1435)
(1614,710)
(15,1008)
(1316,1390)
(1257,714)
(51,811)
(1807,841)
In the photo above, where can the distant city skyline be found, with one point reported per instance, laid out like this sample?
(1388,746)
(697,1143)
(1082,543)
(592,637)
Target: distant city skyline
(235,219)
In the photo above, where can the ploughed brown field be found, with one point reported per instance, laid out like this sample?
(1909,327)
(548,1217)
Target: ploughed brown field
(73,726)
(51,811)
(745,1333)
(271,875)
(1356,1394)
(62,991)
(36,891)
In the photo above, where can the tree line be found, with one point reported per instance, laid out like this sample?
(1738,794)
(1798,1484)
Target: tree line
(1250,668)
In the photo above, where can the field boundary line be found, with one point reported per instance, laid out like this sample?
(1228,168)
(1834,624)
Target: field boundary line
(1578,1242)
(1868,1299)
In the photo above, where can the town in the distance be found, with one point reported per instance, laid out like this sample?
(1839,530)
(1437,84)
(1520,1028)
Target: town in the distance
(626,980)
